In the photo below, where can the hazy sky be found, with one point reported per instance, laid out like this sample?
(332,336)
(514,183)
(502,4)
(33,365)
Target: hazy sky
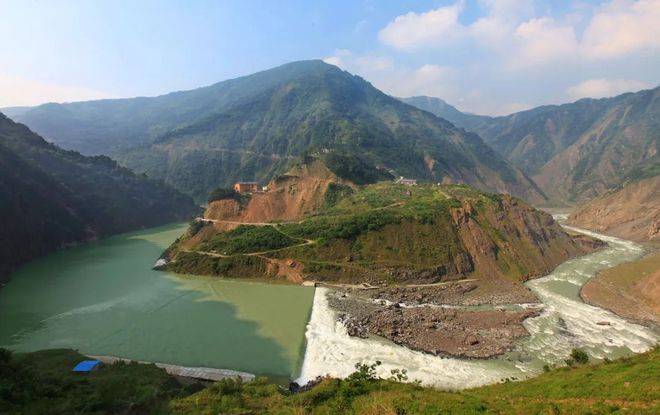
(484,56)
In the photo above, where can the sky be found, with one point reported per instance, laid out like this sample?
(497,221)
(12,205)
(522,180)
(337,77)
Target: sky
(483,56)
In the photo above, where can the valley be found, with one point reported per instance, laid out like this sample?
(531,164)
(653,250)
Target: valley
(341,227)
(330,207)
(575,151)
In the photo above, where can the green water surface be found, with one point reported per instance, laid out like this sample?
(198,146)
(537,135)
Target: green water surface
(104,298)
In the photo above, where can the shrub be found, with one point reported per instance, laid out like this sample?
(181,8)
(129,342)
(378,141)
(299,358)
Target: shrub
(221,193)
(579,356)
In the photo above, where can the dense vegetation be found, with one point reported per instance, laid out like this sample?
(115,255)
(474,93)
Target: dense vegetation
(42,383)
(393,233)
(50,198)
(251,127)
(354,169)
(246,239)
(573,151)
(223,193)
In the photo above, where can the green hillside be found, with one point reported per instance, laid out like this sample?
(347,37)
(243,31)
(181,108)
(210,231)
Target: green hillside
(250,128)
(387,232)
(42,382)
(51,198)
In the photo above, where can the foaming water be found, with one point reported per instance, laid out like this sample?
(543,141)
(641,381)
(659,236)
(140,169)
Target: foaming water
(565,323)
(331,351)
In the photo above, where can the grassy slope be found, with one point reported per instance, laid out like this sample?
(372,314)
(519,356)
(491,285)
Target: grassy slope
(624,386)
(379,228)
(42,383)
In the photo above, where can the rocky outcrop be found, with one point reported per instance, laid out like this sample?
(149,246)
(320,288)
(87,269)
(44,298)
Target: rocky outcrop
(632,212)
(434,330)
(511,234)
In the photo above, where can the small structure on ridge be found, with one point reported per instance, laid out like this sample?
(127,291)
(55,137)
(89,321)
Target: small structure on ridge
(406,182)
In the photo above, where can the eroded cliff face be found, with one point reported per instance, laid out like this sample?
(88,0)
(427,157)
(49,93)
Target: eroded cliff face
(511,237)
(632,212)
(300,192)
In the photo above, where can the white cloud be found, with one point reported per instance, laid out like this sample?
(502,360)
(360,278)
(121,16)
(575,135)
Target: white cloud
(17,91)
(426,79)
(623,27)
(543,40)
(333,60)
(434,80)
(600,88)
(413,30)
(618,28)
(344,59)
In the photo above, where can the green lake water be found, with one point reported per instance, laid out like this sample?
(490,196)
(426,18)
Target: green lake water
(103,298)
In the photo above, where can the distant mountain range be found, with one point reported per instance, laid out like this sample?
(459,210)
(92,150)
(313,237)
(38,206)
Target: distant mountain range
(575,151)
(251,128)
(51,198)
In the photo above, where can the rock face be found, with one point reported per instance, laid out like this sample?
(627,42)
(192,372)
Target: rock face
(575,151)
(632,212)
(292,196)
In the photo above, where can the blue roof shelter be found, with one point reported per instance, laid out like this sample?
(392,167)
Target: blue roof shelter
(87,366)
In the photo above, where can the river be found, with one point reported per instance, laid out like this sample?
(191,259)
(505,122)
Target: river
(565,323)
(103,298)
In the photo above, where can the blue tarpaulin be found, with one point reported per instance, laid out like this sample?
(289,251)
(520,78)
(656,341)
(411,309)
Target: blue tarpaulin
(86,365)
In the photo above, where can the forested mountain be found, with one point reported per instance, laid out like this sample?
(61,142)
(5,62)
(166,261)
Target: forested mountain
(574,151)
(253,127)
(50,198)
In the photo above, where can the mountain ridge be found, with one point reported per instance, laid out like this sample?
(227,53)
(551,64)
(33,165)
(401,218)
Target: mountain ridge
(575,151)
(252,127)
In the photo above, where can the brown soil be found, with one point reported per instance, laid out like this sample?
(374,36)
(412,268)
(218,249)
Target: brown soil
(631,290)
(286,269)
(439,331)
(290,197)
(632,212)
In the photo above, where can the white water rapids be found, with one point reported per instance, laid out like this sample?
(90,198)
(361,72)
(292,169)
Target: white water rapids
(566,322)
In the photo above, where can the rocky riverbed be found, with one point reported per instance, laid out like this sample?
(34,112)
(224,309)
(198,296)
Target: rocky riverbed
(458,293)
(430,328)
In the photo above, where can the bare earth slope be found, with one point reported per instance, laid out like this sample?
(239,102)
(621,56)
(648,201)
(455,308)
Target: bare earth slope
(631,290)
(632,212)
